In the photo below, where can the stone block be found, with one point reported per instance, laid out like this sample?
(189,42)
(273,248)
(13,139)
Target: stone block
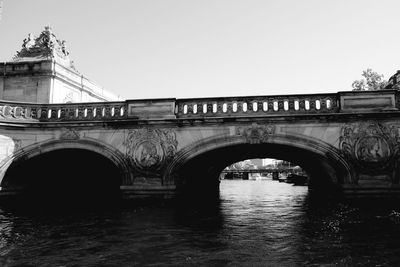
(152,109)
(367,101)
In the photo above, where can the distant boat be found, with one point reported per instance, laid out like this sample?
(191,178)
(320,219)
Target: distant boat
(282,178)
(297,179)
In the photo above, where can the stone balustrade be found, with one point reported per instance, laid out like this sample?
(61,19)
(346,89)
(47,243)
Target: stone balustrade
(167,109)
(63,112)
(257,106)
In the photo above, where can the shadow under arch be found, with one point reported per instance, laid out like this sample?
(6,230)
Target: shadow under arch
(198,166)
(66,169)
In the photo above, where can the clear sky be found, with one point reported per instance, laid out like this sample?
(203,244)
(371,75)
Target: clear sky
(187,48)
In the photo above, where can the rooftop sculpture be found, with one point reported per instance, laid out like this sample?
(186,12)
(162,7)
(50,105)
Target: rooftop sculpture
(45,46)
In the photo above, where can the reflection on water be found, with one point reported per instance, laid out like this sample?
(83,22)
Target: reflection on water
(255,223)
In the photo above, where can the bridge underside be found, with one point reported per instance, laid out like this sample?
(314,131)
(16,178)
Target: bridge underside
(68,176)
(200,175)
(80,176)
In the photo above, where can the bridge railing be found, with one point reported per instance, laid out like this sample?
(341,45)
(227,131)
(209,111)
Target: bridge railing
(63,112)
(198,108)
(257,105)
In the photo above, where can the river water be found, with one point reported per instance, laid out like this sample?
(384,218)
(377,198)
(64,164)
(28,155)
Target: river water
(255,223)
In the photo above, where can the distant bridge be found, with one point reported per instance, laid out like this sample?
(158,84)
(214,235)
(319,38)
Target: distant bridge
(347,141)
(261,170)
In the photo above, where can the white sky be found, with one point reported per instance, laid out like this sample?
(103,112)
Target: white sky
(185,48)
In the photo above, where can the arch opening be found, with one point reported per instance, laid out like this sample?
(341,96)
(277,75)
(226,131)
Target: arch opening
(266,169)
(200,175)
(70,176)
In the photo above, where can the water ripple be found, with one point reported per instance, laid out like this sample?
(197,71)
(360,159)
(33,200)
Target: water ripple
(255,223)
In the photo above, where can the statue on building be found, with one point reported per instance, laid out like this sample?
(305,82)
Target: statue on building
(45,46)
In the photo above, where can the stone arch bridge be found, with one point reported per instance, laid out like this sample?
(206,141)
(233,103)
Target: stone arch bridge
(347,142)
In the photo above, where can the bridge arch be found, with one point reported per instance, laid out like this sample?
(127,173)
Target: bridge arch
(208,157)
(60,157)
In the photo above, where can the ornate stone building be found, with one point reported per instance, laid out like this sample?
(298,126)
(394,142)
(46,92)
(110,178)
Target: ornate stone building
(394,81)
(42,72)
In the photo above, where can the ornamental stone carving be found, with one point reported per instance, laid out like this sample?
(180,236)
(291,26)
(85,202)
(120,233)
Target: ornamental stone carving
(70,134)
(17,144)
(371,146)
(150,150)
(11,112)
(256,134)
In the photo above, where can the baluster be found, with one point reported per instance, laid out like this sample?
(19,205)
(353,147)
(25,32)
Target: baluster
(244,107)
(32,113)
(180,108)
(219,108)
(312,105)
(259,106)
(318,104)
(250,106)
(270,105)
(214,108)
(281,105)
(291,104)
(330,103)
(235,107)
(24,112)
(209,108)
(54,112)
(190,109)
(254,105)
(17,112)
(265,106)
(302,105)
(43,113)
(285,105)
(323,104)
(61,113)
(69,113)
(224,107)
(107,112)
(276,105)
(296,105)
(308,104)
(199,108)
(229,108)
(117,111)
(7,111)
(89,113)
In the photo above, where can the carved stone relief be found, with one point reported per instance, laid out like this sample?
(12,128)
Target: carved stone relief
(17,144)
(150,150)
(8,148)
(372,147)
(69,134)
(12,112)
(255,133)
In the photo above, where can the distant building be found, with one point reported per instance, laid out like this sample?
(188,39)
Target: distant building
(42,72)
(257,162)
